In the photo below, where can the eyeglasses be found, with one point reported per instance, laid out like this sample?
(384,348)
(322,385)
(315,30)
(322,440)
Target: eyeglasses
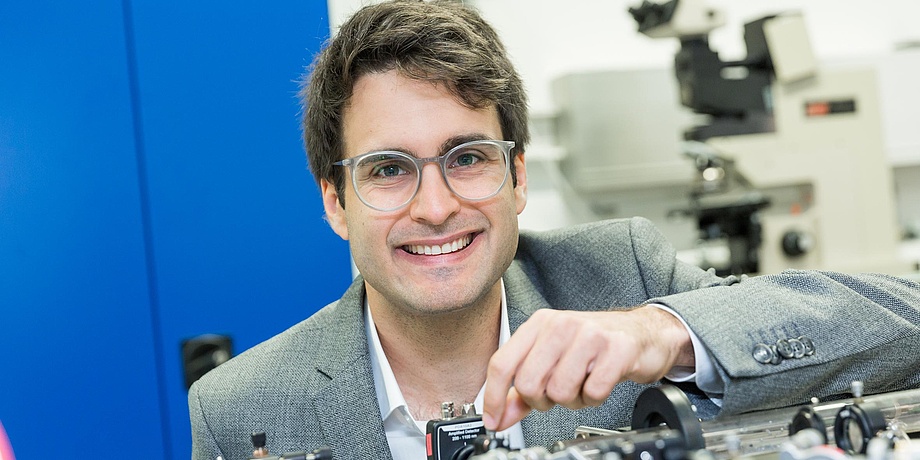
(389,180)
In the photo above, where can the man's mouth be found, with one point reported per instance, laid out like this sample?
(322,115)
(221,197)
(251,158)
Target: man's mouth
(445,248)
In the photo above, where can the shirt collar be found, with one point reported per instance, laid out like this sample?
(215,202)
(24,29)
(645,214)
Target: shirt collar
(393,407)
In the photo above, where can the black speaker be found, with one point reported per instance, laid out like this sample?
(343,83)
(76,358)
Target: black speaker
(202,353)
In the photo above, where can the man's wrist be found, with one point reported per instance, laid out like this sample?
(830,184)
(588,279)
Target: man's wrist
(680,338)
(703,371)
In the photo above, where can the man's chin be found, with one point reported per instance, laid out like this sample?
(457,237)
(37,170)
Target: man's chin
(437,296)
(445,302)
(436,305)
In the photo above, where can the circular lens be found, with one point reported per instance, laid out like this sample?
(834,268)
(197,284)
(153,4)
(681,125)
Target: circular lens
(386,180)
(477,170)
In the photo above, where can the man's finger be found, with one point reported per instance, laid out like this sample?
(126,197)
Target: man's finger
(569,374)
(503,366)
(606,373)
(538,366)
(515,410)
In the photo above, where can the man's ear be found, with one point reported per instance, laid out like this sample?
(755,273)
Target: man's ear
(520,191)
(335,213)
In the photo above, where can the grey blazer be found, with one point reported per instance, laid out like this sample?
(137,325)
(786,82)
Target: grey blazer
(312,385)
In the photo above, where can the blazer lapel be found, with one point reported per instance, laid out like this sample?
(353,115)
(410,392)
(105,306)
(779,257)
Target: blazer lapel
(347,408)
(349,416)
(523,297)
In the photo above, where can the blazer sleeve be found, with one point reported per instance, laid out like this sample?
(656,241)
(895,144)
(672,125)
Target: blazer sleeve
(782,339)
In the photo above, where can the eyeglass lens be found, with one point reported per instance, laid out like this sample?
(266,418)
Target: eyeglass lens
(389,180)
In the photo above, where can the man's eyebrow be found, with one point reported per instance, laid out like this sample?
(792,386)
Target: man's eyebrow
(448,144)
(461,139)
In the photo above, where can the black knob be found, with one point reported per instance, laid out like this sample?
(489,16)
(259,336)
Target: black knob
(797,243)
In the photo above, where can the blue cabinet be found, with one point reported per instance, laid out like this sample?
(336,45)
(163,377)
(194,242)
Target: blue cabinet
(153,187)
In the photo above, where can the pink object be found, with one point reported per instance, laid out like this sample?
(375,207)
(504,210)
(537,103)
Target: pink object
(6,450)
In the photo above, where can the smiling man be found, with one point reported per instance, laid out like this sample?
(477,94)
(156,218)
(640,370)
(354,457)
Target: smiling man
(415,128)
(431,267)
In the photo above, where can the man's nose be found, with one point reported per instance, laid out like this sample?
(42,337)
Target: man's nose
(435,202)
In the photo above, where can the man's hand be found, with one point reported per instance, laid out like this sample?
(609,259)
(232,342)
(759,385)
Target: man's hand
(575,358)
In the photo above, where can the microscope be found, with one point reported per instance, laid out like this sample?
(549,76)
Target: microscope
(801,143)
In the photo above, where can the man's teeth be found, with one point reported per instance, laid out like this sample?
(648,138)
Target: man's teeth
(445,248)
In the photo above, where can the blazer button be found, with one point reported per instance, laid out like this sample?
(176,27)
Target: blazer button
(766,354)
(808,344)
(777,358)
(798,348)
(785,348)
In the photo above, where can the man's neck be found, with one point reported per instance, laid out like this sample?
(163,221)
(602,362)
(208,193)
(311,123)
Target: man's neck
(442,356)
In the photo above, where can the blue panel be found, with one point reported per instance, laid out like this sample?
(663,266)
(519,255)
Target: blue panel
(77,346)
(241,247)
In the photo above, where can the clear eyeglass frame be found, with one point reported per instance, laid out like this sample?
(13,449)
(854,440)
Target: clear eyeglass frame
(419,163)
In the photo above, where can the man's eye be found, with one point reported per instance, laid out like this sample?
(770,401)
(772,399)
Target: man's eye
(389,170)
(467,159)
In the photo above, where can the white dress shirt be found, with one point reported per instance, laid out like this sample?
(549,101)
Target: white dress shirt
(405,435)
